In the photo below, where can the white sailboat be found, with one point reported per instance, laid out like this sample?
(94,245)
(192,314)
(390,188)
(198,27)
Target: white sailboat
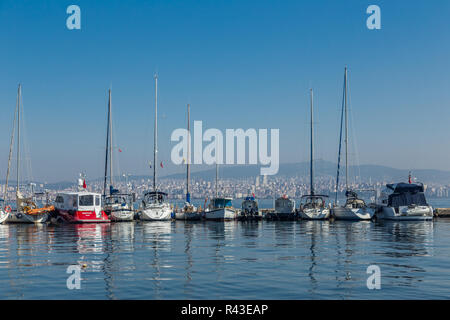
(118,206)
(354,207)
(189,211)
(155,206)
(26,211)
(220,208)
(313,206)
(4,212)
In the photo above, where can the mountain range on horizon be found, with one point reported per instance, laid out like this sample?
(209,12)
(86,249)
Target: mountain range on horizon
(322,168)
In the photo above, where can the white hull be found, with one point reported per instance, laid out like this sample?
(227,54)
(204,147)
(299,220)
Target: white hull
(343,213)
(406,213)
(156,213)
(122,215)
(3,216)
(20,217)
(188,216)
(220,214)
(315,214)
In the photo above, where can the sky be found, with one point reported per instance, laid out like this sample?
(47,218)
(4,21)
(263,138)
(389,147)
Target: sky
(240,64)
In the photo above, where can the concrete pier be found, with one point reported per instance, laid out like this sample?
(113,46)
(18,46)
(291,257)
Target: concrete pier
(442,212)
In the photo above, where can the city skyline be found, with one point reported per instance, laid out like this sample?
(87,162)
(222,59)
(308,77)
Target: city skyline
(398,89)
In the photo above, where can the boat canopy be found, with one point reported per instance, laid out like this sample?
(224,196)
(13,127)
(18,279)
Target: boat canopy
(406,199)
(405,187)
(222,202)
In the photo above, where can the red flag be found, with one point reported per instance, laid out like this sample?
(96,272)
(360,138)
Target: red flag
(161,165)
(409,178)
(84,183)
(253,194)
(120,150)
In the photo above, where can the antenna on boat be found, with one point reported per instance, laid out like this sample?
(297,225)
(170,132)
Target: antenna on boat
(155,142)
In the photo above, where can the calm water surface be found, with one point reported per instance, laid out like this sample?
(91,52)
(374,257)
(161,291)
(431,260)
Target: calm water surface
(227,260)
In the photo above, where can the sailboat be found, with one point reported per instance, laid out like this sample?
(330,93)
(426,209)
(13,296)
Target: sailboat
(313,206)
(118,206)
(154,205)
(189,211)
(354,207)
(26,211)
(220,208)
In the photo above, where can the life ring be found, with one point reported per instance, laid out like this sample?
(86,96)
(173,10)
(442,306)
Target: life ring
(8,209)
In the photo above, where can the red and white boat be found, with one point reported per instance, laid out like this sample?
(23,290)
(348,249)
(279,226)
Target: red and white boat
(80,207)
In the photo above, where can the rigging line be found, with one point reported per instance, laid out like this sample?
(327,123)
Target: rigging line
(340,145)
(357,179)
(11,146)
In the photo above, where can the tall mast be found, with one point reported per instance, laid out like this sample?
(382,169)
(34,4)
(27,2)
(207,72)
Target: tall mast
(107,142)
(312,145)
(346,131)
(155,142)
(217,173)
(19,92)
(188,173)
(11,146)
(110,145)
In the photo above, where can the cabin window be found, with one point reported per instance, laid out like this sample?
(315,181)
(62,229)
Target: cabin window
(97,201)
(59,199)
(86,201)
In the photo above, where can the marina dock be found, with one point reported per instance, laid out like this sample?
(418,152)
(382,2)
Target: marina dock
(442,212)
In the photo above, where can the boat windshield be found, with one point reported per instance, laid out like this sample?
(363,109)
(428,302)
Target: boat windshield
(222,203)
(86,200)
(154,197)
(115,199)
(313,202)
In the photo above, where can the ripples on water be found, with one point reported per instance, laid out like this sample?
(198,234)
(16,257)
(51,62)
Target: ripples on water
(226,260)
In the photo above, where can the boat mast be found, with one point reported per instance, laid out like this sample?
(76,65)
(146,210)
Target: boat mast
(18,137)
(107,142)
(110,145)
(188,173)
(155,146)
(346,131)
(312,146)
(217,173)
(11,145)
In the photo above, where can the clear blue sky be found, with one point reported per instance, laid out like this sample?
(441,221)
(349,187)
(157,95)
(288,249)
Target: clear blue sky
(239,63)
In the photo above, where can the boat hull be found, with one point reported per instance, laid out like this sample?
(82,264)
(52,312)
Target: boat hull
(83,216)
(220,214)
(418,213)
(20,217)
(315,214)
(343,213)
(250,216)
(188,216)
(288,216)
(3,216)
(156,213)
(121,215)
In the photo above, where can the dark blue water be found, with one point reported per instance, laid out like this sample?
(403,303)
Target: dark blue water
(227,260)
